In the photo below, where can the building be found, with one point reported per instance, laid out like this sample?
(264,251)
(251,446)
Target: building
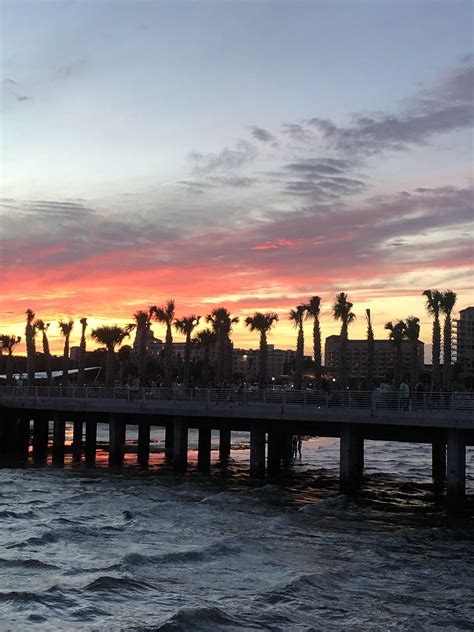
(464,328)
(384,357)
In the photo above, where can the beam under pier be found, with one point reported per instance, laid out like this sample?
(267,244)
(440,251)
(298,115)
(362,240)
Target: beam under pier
(351,458)
(143,448)
(257,452)
(91,441)
(274,451)
(456,470)
(40,437)
(117,434)
(224,444)
(180,445)
(204,449)
(59,438)
(438,461)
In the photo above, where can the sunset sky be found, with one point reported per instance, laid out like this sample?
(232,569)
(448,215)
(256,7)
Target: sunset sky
(248,154)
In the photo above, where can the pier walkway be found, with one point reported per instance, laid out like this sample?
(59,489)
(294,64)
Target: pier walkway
(444,420)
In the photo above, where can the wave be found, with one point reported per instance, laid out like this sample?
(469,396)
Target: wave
(47,538)
(209,553)
(25,563)
(200,619)
(108,583)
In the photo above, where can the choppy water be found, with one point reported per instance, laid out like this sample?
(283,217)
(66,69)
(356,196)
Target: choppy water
(90,549)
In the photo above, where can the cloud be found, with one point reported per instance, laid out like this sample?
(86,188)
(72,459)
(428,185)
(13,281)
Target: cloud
(447,106)
(298,133)
(226,159)
(262,134)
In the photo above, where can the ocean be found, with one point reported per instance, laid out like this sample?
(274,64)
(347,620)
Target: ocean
(131,549)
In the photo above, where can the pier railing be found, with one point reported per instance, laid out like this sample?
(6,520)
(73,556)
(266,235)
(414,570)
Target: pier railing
(368,400)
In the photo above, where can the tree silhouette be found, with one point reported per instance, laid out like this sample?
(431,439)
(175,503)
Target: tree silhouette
(142,324)
(296,317)
(65,327)
(312,312)
(262,323)
(221,322)
(166,316)
(205,339)
(370,349)
(412,334)
(433,307)
(341,310)
(186,326)
(110,336)
(40,325)
(9,343)
(81,360)
(397,336)
(448,301)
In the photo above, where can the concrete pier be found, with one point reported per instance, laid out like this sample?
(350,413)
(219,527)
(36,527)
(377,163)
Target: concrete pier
(77,439)
(59,437)
(204,449)
(438,461)
(143,448)
(180,445)
(40,437)
(224,444)
(117,434)
(456,467)
(23,437)
(257,452)
(91,441)
(169,440)
(275,445)
(351,458)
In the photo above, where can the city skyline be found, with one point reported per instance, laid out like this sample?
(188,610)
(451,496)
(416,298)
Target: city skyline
(246,155)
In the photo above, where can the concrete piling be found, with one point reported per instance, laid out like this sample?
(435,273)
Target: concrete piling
(438,461)
(180,445)
(169,441)
(77,430)
(204,449)
(224,444)
(257,452)
(456,467)
(59,436)
(275,447)
(117,434)
(351,458)
(91,441)
(143,448)
(40,438)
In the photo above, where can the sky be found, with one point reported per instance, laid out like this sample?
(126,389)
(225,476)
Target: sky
(246,154)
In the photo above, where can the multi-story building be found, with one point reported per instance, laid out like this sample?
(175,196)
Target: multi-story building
(464,327)
(384,357)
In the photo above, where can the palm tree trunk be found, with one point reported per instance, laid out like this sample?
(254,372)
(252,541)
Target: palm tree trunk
(205,366)
(47,358)
(30,354)
(435,379)
(299,358)
(66,360)
(168,357)
(343,356)
(317,351)
(110,368)
(82,357)
(142,341)
(447,351)
(228,373)
(262,379)
(187,360)
(397,374)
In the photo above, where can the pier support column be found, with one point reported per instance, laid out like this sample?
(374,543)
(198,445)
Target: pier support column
(224,444)
(275,445)
(77,439)
(23,437)
(169,441)
(351,458)
(180,445)
(456,470)
(40,438)
(117,433)
(143,448)
(438,461)
(204,449)
(91,441)
(59,437)
(286,447)
(257,452)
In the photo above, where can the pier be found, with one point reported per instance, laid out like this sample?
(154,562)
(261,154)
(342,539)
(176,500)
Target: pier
(443,420)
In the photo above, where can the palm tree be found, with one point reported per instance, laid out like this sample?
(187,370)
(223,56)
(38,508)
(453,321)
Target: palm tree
(166,316)
(66,327)
(412,334)
(110,336)
(433,306)
(397,336)
(40,325)
(9,342)
(296,317)
(142,324)
(448,300)
(370,349)
(30,333)
(312,311)
(205,339)
(221,322)
(341,310)
(263,323)
(81,360)
(186,326)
